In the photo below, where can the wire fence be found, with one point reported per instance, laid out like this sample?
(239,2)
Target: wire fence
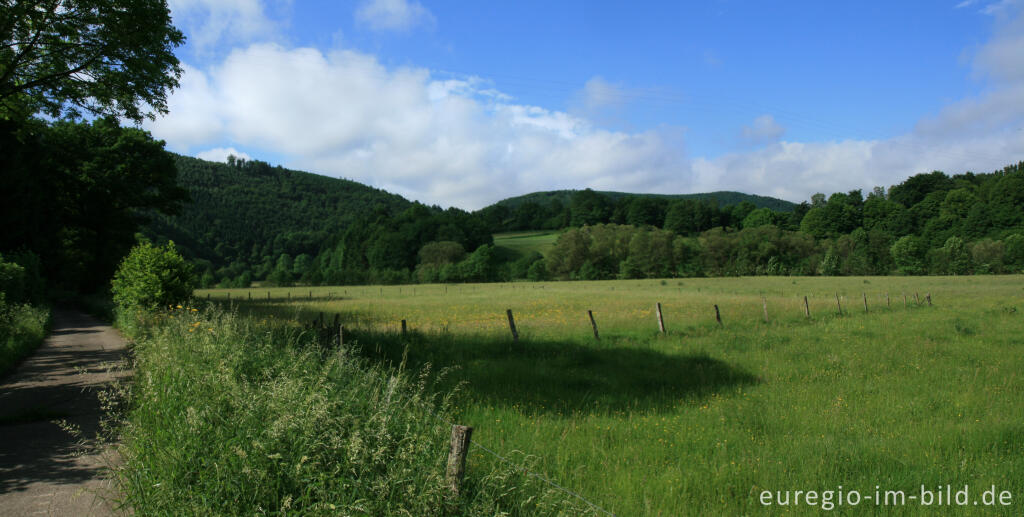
(476,444)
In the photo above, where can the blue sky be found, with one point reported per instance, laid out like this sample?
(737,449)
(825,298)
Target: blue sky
(460,103)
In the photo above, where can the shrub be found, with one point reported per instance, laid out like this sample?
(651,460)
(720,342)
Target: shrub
(151,277)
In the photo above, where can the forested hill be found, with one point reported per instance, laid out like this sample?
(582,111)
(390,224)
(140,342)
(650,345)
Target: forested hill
(723,198)
(243,211)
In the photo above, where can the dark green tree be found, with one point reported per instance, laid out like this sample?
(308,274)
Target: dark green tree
(99,57)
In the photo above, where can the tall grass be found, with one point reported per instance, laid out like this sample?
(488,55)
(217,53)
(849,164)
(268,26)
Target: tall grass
(22,328)
(230,415)
(701,420)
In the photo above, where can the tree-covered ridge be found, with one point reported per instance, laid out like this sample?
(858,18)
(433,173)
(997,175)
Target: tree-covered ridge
(248,221)
(557,209)
(243,213)
(723,197)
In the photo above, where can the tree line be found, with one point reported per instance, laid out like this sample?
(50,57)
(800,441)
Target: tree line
(929,224)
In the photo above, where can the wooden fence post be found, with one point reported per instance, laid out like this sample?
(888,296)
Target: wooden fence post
(718,317)
(807,308)
(928,297)
(904,300)
(403,327)
(207,296)
(661,320)
(764,305)
(337,319)
(512,325)
(268,296)
(250,296)
(593,324)
(865,295)
(311,295)
(887,304)
(839,305)
(457,457)
(320,320)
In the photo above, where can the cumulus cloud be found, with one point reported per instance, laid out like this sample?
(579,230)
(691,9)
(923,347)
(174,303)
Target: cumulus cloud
(451,142)
(393,15)
(762,129)
(220,154)
(208,22)
(980,134)
(462,142)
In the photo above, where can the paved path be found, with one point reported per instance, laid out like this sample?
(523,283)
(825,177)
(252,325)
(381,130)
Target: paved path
(42,471)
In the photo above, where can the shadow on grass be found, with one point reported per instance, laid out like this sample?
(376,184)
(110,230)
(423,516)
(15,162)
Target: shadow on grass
(552,376)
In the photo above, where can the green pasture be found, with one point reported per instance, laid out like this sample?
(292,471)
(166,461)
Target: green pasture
(520,244)
(704,418)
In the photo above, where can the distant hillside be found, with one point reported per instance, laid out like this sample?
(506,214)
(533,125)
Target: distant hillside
(724,198)
(248,210)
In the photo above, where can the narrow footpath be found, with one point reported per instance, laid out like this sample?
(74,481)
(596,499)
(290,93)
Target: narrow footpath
(43,470)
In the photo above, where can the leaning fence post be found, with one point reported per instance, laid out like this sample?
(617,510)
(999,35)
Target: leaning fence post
(512,325)
(718,317)
(457,457)
(807,308)
(917,299)
(661,320)
(865,295)
(593,324)
(839,305)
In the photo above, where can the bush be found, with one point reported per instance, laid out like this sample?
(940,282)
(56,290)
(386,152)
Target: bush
(22,329)
(151,277)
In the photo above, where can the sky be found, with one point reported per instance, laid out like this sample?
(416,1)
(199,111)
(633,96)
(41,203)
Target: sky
(467,103)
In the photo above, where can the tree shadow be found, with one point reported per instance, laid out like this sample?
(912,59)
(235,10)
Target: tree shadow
(553,376)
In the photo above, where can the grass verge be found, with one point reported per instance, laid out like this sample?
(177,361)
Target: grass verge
(230,415)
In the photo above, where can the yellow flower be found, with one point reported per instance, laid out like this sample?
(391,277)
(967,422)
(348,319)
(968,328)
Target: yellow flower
(179,306)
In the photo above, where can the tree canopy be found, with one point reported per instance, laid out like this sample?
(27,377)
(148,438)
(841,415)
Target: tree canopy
(98,57)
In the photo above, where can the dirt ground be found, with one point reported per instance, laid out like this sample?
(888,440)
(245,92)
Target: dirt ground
(44,469)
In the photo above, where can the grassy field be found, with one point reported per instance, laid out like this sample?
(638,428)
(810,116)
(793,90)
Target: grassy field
(520,244)
(705,418)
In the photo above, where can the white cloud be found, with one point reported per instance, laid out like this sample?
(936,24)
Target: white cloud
(451,142)
(979,134)
(396,15)
(598,93)
(220,154)
(460,142)
(209,22)
(762,129)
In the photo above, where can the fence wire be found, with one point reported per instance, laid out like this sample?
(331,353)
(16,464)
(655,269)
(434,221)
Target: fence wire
(476,443)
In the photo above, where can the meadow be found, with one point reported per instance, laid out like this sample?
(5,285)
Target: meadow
(702,419)
(520,244)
